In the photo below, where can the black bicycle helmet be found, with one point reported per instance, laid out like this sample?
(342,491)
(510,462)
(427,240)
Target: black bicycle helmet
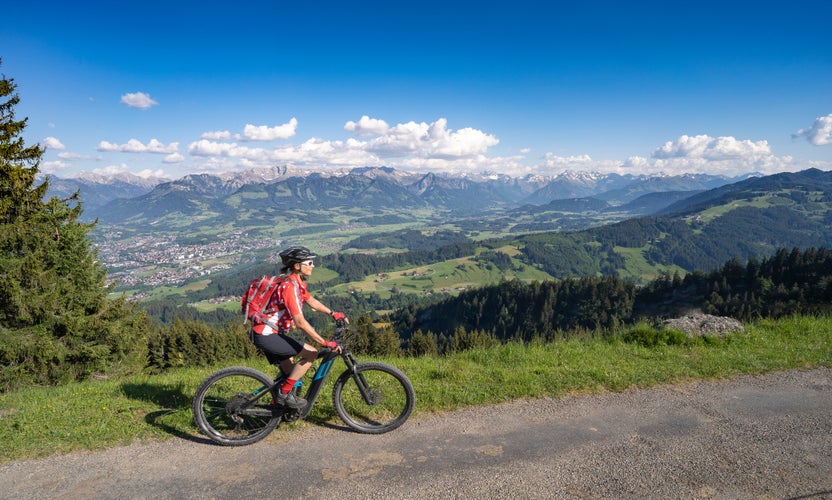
(295,254)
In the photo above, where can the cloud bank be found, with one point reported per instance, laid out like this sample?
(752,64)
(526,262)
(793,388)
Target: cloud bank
(435,146)
(431,144)
(136,146)
(718,155)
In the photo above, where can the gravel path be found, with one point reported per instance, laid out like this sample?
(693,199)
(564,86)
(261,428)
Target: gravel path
(767,436)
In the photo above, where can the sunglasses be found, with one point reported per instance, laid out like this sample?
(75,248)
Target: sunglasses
(308,263)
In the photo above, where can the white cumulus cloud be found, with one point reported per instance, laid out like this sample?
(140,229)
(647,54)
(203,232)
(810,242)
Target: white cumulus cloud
(367,126)
(218,135)
(53,143)
(552,160)
(123,168)
(820,133)
(717,155)
(136,146)
(710,148)
(266,133)
(423,146)
(726,156)
(205,147)
(51,167)
(174,158)
(138,100)
(148,173)
(432,140)
(217,154)
(637,163)
(112,169)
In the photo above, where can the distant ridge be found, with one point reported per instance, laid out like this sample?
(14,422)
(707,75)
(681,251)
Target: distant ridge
(116,199)
(807,180)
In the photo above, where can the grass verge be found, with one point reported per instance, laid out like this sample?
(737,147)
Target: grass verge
(41,421)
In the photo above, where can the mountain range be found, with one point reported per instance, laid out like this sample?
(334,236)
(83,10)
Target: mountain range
(128,199)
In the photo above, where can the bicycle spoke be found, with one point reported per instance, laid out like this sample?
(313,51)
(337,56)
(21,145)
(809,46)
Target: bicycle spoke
(225,408)
(382,401)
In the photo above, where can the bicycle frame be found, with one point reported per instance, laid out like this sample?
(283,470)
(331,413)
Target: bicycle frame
(321,373)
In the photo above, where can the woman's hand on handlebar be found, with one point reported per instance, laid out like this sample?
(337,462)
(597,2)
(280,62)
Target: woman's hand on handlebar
(331,344)
(339,316)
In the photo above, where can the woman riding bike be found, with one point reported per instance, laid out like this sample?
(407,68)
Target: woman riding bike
(285,312)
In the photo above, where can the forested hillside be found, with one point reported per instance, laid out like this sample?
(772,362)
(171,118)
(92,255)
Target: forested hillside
(749,219)
(790,282)
(695,243)
(807,186)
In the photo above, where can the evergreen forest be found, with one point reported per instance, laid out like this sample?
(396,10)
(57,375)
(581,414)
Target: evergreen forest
(790,282)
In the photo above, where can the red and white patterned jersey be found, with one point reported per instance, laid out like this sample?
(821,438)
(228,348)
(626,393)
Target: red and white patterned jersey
(286,303)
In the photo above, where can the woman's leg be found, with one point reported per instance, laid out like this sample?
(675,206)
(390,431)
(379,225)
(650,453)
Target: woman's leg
(307,356)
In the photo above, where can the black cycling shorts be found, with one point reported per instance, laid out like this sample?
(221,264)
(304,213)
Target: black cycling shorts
(277,347)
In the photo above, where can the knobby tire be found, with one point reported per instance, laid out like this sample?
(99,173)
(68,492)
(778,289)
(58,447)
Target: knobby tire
(220,409)
(391,398)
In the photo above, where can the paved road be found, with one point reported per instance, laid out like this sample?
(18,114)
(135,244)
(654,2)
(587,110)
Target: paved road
(750,437)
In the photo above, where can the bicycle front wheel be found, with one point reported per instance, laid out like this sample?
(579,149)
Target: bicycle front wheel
(377,398)
(227,408)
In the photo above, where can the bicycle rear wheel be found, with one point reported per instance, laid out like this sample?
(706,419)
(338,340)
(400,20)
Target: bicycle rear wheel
(225,409)
(376,399)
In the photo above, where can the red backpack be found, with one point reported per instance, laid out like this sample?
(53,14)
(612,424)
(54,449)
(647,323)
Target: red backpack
(257,295)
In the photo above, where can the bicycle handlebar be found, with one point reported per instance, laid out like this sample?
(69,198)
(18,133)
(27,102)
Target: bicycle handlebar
(340,329)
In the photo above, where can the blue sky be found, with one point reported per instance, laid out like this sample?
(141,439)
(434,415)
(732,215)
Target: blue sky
(171,88)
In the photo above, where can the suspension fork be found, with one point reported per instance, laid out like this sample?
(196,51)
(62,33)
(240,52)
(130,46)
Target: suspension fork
(363,386)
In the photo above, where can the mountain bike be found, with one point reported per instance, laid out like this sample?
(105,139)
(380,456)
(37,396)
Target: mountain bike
(236,406)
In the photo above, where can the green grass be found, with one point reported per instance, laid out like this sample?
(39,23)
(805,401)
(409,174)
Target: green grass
(446,276)
(41,421)
(636,265)
(767,200)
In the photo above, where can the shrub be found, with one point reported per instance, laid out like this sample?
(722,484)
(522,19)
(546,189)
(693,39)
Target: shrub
(648,336)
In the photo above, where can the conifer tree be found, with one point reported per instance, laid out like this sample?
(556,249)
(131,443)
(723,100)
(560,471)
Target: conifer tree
(56,323)
(385,342)
(423,344)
